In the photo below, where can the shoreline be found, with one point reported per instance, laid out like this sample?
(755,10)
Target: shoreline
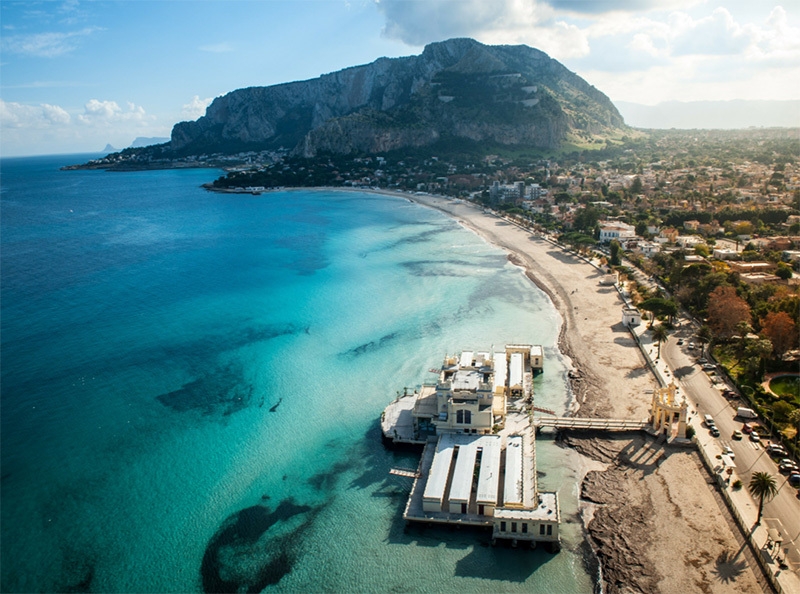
(650,498)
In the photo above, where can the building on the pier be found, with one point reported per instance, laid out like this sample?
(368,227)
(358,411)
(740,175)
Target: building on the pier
(474,471)
(471,394)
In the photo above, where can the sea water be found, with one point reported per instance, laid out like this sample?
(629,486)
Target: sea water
(192,382)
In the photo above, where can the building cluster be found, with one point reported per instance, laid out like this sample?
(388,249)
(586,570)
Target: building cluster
(474,469)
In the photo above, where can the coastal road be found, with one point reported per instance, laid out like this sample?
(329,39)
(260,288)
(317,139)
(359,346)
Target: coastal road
(704,394)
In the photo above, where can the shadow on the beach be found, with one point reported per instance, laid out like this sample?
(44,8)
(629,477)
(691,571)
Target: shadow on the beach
(619,327)
(727,568)
(563,257)
(638,372)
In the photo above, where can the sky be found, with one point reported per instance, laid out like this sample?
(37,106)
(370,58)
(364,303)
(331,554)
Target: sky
(77,75)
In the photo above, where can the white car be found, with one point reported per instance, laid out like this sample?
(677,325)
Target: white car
(727,451)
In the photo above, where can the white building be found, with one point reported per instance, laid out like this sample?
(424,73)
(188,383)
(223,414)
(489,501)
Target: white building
(617,230)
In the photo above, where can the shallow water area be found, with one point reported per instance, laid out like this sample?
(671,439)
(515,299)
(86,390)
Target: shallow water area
(191,384)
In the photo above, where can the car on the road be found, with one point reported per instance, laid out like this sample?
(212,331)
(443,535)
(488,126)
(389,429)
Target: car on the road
(714,431)
(776,451)
(727,451)
(755,437)
(737,434)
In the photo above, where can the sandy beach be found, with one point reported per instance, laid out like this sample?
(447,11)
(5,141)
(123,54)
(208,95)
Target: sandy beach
(652,515)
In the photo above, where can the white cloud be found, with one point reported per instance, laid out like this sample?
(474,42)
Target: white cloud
(97,112)
(18,115)
(716,34)
(45,45)
(496,22)
(196,107)
(596,7)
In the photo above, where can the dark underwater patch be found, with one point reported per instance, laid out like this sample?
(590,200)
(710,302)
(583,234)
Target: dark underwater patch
(372,345)
(84,585)
(220,391)
(242,556)
(327,480)
(437,268)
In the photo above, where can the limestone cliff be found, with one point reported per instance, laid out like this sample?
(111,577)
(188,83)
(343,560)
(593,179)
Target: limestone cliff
(512,95)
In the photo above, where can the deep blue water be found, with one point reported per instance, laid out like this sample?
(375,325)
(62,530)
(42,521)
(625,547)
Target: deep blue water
(191,384)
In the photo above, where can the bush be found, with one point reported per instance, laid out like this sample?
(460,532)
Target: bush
(689,432)
(737,484)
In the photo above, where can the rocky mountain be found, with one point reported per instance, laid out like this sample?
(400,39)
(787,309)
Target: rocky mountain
(455,89)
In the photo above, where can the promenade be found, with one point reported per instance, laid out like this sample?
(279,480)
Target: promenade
(703,390)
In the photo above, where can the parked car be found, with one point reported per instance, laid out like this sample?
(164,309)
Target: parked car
(709,367)
(755,437)
(746,428)
(714,431)
(737,434)
(691,346)
(729,393)
(776,451)
(702,361)
(680,341)
(727,451)
(794,479)
(788,467)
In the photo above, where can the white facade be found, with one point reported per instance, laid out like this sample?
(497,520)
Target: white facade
(618,231)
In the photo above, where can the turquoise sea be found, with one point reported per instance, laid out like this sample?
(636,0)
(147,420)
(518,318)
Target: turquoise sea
(192,382)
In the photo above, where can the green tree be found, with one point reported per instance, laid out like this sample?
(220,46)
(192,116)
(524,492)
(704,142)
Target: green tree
(794,419)
(614,249)
(783,272)
(704,336)
(762,485)
(660,334)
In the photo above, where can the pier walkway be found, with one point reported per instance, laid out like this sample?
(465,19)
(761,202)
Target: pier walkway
(586,423)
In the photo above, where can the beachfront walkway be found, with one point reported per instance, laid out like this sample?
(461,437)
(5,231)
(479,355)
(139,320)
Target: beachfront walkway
(703,392)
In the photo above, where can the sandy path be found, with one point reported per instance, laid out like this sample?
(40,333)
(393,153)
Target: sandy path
(656,523)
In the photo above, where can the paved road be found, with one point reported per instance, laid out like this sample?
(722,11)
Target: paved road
(705,397)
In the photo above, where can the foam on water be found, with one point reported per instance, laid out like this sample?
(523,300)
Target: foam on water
(191,384)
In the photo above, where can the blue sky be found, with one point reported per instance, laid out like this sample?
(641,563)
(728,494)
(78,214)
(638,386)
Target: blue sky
(75,75)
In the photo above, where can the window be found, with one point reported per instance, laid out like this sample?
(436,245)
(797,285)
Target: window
(513,526)
(549,530)
(524,528)
(481,510)
(468,417)
(502,526)
(541,528)
(460,416)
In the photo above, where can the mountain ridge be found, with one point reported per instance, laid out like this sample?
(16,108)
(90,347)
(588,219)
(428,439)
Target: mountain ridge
(460,88)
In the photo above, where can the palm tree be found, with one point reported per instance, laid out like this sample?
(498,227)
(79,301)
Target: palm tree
(660,334)
(762,485)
